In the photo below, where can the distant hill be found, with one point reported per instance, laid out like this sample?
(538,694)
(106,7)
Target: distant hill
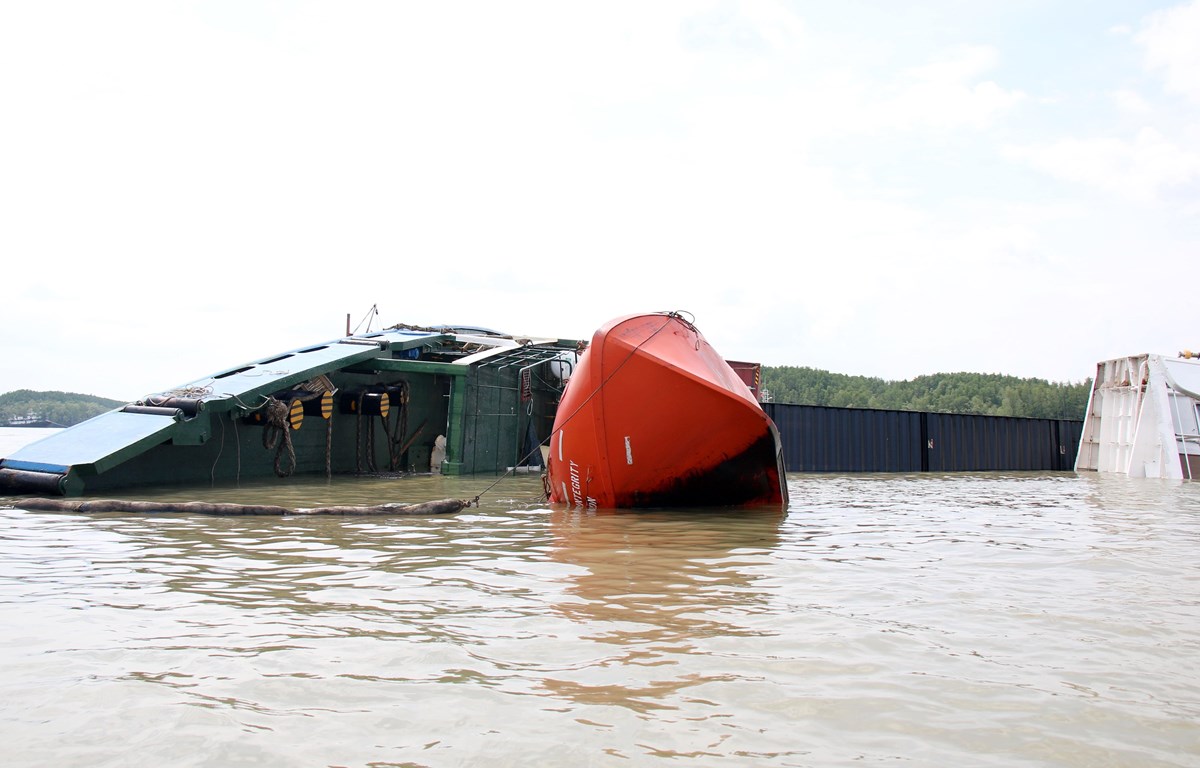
(62,409)
(988,394)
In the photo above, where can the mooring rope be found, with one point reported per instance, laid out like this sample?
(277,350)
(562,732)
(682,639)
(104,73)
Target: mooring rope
(507,472)
(277,434)
(237,432)
(395,436)
(193,392)
(329,447)
(670,316)
(358,439)
(370,446)
(212,472)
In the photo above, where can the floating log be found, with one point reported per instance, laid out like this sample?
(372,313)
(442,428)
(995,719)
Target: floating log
(439,507)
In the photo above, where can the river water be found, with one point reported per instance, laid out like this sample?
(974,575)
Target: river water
(923,620)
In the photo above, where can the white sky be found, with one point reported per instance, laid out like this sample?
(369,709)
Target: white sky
(871,188)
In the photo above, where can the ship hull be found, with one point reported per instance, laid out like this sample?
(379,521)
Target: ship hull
(653,416)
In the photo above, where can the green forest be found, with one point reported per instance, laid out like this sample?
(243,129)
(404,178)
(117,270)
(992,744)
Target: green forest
(63,409)
(987,394)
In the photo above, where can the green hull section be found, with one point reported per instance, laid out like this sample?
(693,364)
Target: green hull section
(404,400)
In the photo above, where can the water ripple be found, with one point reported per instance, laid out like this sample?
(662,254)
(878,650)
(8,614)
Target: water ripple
(1023,619)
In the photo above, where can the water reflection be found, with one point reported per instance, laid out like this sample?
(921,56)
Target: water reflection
(648,586)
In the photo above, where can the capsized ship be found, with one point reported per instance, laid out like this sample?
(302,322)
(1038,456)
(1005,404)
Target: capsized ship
(654,417)
(1143,417)
(406,399)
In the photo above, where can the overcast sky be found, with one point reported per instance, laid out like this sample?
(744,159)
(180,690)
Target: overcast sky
(872,188)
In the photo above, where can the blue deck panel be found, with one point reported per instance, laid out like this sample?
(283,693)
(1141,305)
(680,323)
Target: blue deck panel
(92,440)
(291,368)
(115,436)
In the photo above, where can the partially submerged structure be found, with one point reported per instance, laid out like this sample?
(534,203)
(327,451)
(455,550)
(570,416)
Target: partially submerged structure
(655,417)
(1143,418)
(405,399)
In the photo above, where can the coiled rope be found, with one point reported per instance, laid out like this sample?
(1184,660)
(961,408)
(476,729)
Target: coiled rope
(394,432)
(277,435)
(395,436)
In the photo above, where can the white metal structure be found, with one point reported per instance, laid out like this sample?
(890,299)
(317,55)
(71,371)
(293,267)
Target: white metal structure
(1143,418)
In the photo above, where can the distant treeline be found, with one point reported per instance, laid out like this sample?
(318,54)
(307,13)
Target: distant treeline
(988,394)
(62,409)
